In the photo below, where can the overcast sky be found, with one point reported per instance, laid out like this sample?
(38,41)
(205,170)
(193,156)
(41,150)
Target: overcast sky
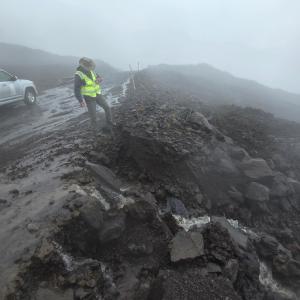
(255,39)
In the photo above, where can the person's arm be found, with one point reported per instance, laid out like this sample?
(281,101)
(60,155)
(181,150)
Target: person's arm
(78,83)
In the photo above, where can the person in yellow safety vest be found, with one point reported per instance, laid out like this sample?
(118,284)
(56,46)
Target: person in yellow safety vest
(87,89)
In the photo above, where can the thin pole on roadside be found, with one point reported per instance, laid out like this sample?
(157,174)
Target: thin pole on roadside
(132,77)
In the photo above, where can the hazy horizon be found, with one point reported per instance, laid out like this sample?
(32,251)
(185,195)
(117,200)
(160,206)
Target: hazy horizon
(257,40)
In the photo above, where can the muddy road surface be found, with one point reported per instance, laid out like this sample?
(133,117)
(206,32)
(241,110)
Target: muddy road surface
(39,145)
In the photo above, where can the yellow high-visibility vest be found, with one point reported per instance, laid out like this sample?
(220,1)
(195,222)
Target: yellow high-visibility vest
(91,87)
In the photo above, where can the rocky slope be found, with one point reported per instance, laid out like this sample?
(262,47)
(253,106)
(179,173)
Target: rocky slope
(216,87)
(173,205)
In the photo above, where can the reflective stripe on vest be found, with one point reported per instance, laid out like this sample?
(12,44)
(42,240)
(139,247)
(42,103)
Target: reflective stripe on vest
(91,87)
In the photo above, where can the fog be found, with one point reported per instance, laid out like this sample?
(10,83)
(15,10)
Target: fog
(255,39)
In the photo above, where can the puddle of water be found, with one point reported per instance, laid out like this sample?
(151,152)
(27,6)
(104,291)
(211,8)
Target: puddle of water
(55,108)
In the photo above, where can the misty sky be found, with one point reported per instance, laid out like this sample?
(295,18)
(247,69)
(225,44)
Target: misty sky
(255,39)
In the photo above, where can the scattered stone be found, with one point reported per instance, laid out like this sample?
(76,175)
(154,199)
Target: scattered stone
(143,211)
(213,268)
(176,207)
(14,192)
(237,236)
(257,192)
(231,270)
(199,121)
(149,197)
(280,162)
(186,245)
(256,168)
(105,177)
(32,228)
(267,246)
(239,153)
(100,157)
(3,202)
(112,228)
(281,187)
(91,283)
(227,167)
(236,196)
(199,198)
(92,214)
(78,202)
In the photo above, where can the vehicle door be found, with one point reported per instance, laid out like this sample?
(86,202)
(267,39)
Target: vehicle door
(8,89)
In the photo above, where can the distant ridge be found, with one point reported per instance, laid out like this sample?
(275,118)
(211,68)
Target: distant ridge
(216,87)
(44,68)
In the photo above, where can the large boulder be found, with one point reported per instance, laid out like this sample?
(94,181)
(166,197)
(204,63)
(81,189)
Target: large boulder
(176,207)
(186,245)
(267,246)
(92,213)
(281,186)
(257,192)
(256,168)
(280,162)
(236,235)
(112,227)
(104,176)
(238,153)
(197,120)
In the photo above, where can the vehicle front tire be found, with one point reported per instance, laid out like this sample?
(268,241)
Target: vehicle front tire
(30,96)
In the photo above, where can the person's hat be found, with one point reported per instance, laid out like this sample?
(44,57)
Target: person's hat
(87,63)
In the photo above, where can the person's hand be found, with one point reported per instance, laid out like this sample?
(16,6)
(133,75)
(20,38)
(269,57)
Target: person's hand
(99,79)
(82,104)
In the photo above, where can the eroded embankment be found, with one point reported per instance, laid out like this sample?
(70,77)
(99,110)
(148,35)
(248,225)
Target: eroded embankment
(134,221)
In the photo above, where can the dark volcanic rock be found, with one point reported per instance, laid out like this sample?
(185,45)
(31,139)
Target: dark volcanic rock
(176,206)
(256,168)
(231,270)
(105,176)
(92,214)
(112,227)
(237,236)
(257,192)
(186,245)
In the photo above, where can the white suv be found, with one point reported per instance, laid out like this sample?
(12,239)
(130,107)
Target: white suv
(14,89)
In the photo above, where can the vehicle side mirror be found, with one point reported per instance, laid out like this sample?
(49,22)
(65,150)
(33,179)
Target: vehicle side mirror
(14,78)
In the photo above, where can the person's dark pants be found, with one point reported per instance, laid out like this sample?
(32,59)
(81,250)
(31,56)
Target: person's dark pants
(91,103)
